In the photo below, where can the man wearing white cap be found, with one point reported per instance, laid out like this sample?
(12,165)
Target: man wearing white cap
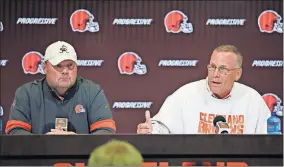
(61,96)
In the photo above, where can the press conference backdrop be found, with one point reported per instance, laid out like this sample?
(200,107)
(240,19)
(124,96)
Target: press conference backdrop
(167,44)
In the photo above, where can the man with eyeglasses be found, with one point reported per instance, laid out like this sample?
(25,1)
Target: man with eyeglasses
(192,108)
(60,95)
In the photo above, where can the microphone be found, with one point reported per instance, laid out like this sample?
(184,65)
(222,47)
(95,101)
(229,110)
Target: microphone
(221,126)
(61,122)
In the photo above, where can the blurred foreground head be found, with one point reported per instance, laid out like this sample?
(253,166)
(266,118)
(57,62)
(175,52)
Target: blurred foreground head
(115,153)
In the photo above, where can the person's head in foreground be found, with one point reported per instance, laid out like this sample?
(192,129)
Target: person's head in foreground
(224,68)
(60,66)
(115,153)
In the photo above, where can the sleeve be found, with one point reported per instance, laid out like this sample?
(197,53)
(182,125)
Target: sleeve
(263,114)
(19,122)
(100,116)
(169,119)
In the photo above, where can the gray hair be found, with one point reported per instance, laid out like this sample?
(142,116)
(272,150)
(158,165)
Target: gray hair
(233,49)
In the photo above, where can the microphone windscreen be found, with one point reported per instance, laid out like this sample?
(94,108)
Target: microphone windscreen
(218,119)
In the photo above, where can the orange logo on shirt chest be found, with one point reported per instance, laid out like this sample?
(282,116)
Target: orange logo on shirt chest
(79,108)
(236,123)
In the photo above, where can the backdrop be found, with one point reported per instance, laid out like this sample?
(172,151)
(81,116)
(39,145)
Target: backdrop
(168,42)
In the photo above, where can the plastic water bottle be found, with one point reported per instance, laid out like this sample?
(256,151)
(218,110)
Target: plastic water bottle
(273,124)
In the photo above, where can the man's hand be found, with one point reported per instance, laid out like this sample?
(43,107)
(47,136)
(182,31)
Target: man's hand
(60,132)
(145,128)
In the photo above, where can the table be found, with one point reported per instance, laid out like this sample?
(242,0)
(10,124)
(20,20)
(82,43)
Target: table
(162,150)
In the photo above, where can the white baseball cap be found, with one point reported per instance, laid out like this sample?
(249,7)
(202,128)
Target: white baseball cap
(60,51)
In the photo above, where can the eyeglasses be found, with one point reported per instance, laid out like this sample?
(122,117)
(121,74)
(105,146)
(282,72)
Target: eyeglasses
(60,68)
(222,69)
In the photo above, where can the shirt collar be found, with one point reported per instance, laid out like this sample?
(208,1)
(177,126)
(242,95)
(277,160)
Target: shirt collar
(70,92)
(212,94)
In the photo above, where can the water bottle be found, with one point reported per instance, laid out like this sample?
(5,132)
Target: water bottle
(273,124)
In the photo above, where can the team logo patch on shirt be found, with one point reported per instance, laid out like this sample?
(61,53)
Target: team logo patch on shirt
(79,108)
